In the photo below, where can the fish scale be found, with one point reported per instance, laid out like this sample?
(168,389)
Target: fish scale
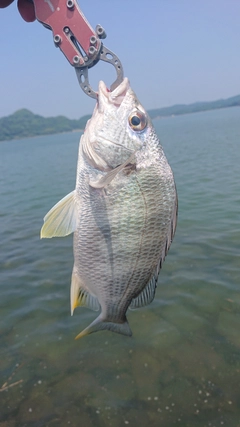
(122,212)
(129,230)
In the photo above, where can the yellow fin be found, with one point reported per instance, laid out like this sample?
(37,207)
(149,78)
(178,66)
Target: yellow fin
(61,220)
(80,296)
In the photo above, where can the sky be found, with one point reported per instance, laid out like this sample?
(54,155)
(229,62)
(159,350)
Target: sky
(173,52)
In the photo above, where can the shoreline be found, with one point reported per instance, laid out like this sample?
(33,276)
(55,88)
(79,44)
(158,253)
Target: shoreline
(42,134)
(160,117)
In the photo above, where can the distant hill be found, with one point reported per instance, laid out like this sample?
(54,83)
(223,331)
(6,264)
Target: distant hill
(23,123)
(194,108)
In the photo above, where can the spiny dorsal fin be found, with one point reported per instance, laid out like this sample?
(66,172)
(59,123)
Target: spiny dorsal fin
(106,179)
(61,220)
(171,230)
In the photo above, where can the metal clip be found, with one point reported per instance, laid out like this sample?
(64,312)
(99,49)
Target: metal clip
(77,40)
(71,31)
(107,56)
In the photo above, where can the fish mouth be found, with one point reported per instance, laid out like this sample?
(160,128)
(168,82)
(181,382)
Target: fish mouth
(115,97)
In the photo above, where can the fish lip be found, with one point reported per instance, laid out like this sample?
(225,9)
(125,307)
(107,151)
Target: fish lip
(115,97)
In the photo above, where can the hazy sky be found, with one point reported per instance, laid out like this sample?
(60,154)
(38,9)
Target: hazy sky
(173,51)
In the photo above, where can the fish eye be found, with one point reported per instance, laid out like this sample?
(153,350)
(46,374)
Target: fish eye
(137,120)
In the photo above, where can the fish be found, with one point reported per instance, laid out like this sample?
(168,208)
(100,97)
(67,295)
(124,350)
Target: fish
(123,211)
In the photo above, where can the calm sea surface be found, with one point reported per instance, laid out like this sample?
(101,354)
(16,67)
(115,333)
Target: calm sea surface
(182,365)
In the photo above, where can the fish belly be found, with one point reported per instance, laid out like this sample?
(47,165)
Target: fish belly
(120,238)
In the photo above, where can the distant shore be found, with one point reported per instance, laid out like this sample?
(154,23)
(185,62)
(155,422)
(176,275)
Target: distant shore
(45,134)
(25,124)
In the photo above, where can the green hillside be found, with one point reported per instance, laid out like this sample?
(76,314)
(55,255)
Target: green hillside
(23,123)
(194,108)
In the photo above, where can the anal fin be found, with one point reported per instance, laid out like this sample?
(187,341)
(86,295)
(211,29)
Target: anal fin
(80,296)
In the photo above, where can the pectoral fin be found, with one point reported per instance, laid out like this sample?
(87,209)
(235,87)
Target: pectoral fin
(61,220)
(109,176)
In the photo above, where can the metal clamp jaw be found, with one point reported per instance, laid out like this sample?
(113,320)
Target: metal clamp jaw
(104,55)
(81,45)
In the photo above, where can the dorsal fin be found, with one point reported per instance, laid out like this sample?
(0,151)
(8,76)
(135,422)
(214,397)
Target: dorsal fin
(147,295)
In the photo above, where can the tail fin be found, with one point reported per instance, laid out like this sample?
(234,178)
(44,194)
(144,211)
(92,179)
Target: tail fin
(99,324)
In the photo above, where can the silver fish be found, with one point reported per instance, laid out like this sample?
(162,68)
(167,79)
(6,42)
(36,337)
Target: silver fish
(123,211)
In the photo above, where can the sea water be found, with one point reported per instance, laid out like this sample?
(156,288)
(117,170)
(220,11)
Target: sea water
(182,365)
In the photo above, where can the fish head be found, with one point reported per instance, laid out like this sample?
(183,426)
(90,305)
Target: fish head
(118,127)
